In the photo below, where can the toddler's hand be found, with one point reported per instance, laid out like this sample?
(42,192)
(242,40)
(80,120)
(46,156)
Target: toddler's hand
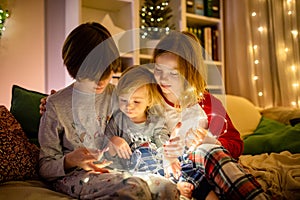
(186,189)
(121,147)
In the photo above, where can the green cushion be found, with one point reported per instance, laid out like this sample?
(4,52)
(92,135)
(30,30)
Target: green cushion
(272,136)
(25,108)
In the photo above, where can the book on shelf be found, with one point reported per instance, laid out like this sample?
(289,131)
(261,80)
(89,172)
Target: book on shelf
(215,44)
(195,6)
(190,6)
(199,7)
(208,42)
(212,8)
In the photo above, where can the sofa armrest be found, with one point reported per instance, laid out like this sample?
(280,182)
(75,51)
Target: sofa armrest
(244,115)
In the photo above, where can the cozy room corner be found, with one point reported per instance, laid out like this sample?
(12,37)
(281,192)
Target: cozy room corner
(253,67)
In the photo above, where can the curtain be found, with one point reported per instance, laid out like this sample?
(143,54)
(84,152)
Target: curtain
(262,51)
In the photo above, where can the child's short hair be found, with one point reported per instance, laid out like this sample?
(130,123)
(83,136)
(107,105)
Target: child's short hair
(191,66)
(137,76)
(89,52)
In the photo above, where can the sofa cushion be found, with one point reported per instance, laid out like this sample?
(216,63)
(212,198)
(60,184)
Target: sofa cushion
(281,114)
(25,108)
(273,136)
(19,157)
(244,115)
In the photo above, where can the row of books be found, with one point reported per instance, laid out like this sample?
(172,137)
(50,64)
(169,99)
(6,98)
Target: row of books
(209,8)
(209,39)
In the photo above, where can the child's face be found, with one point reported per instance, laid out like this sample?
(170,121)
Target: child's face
(135,104)
(100,87)
(89,86)
(167,75)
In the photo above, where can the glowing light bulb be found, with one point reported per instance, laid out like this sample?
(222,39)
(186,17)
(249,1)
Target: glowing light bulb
(260,94)
(290,12)
(294,32)
(293,103)
(295,85)
(293,67)
(260,29)
(256,62)
(253,14)
(254,46)
(86,179)
(286,49)
(255,78)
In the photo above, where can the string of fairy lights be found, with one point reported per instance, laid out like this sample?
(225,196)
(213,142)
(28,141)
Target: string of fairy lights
(155,16)
(4,14)
(293,51)
(289,50)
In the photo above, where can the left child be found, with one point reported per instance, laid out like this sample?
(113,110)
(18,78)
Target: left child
(75,118)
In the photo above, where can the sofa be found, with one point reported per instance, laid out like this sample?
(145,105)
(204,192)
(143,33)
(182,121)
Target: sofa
(271,154)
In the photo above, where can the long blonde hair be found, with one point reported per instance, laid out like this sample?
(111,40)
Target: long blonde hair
(191,66)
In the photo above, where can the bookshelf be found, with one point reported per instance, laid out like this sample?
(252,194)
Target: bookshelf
(121,18)
(124,16)
(186,19)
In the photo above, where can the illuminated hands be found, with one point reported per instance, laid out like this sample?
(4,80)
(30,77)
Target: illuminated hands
(172,150)
(185,189)
(119,146)
(196,137)
(87,159)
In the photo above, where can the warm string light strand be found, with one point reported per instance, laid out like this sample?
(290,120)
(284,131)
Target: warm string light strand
(289,51)
(256,51)
(293,55)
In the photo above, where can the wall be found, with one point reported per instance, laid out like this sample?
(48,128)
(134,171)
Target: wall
(22,49)
(62,16)
(30,48)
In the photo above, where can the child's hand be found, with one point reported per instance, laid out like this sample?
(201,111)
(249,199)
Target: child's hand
(86,159)
(121,147)
(43,102)
(174,166)
(194,138)
(174,147)
(186,189)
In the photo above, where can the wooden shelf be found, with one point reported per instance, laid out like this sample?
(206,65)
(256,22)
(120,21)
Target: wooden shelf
(193,19)
(125,15)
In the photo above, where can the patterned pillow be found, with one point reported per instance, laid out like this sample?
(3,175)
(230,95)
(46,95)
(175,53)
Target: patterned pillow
(19,157)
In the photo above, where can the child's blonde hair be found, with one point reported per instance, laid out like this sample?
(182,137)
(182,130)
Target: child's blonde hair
(135,77)
(191,66)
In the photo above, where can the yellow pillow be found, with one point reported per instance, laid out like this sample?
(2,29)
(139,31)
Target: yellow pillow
(244,115)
